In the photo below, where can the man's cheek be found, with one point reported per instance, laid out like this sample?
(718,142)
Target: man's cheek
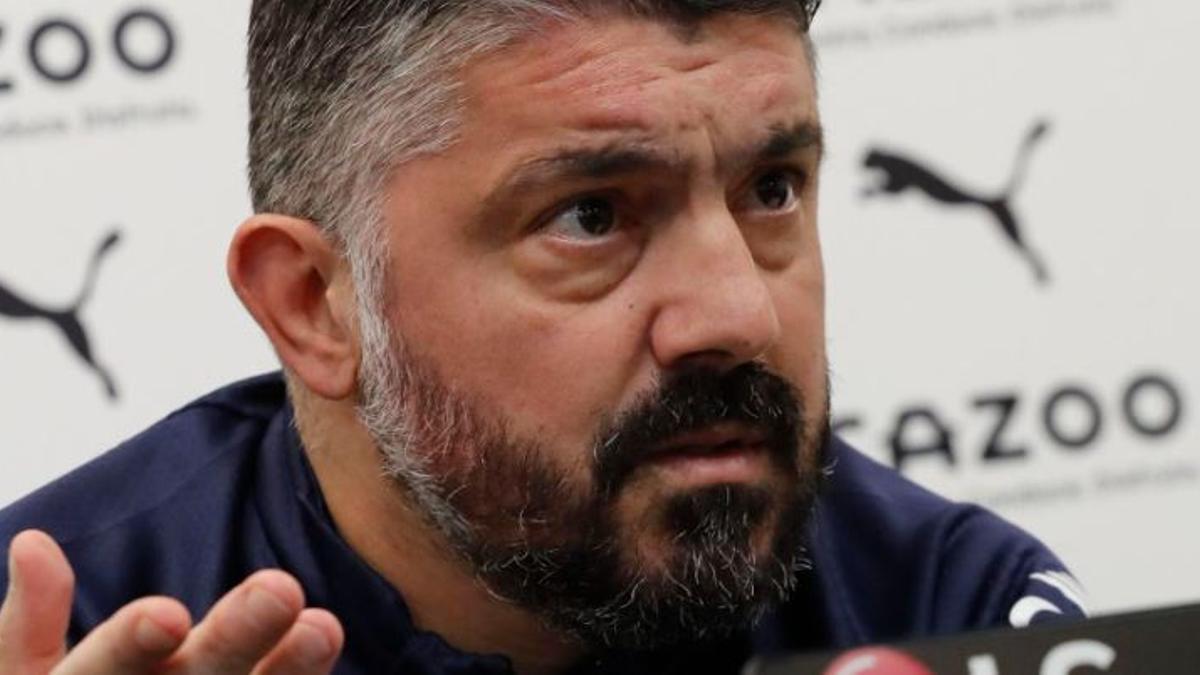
(557,370)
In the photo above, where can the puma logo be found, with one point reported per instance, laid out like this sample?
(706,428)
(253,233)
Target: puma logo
(897,174)
(66,319)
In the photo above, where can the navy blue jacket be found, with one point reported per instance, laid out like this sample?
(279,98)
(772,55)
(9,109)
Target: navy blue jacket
(222,488)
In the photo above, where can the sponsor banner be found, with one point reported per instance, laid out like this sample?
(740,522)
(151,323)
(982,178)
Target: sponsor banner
(1009,238)
(122,134)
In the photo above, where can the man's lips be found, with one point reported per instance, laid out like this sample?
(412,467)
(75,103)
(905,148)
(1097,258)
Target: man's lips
(721,438)
(728,452)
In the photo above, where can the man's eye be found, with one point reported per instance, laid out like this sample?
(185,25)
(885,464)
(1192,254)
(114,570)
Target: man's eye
(775,190)
(587,218)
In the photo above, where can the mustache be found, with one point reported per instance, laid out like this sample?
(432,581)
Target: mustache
(693,400)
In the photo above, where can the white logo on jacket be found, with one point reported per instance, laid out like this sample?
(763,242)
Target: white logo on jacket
(1028,607)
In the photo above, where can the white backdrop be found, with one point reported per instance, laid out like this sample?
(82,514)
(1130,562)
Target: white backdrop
(1066,405)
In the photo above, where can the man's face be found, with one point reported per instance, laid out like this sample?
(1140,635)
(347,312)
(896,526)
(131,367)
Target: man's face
(607,298)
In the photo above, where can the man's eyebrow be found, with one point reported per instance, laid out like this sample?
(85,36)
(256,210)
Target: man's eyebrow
(623,157)
(786,140)
(626,157)
(590,163)
(578,164)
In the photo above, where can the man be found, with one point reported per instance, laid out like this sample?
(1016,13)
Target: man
(545,280)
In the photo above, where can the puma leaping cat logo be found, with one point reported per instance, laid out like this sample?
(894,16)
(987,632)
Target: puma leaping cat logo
(897,174)
(66,319)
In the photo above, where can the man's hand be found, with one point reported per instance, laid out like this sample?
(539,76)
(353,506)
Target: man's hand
(260,627)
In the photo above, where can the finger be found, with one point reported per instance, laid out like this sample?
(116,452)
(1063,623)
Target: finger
(137,639)
(37,606)
(243,626)
(311,647)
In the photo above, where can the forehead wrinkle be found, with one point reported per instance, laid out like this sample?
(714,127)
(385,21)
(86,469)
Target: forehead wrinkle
(614,96)
(676,110)
(562,62)
(558,57)
(615,87)
(597,92)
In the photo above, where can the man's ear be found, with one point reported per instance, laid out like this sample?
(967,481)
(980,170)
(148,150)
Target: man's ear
(298,288)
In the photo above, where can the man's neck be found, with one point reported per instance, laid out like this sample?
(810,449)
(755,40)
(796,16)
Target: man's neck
(439,588)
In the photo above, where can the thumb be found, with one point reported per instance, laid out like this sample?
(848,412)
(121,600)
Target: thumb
(33,620)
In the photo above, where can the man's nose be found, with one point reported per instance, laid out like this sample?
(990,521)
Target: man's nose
(715,308)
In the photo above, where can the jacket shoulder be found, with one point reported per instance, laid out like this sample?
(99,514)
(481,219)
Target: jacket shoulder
(149,468)
(153,512)
(899,561)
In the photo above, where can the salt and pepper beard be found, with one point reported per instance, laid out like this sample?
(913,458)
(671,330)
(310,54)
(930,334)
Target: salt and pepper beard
(537,539)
